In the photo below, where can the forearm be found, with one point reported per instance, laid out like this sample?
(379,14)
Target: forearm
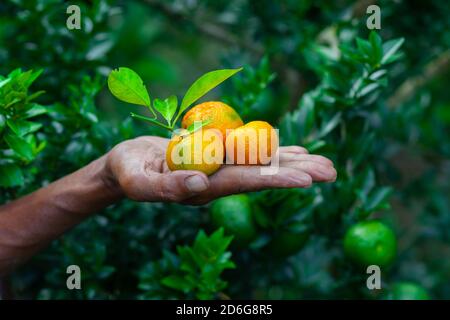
(31,222)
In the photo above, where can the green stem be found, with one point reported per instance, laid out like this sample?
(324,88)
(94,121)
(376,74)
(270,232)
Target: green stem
(137,116)
(174,122)
(152,111)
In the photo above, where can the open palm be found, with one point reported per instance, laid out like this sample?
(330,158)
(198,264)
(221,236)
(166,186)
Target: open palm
(138,167)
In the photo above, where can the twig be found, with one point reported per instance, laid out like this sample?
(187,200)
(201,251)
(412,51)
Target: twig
(360,7)
(208,29)
(407,89)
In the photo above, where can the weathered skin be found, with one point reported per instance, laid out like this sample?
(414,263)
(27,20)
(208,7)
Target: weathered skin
(136,169)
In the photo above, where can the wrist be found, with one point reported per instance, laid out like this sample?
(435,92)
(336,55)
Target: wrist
(108,179)
(87,190)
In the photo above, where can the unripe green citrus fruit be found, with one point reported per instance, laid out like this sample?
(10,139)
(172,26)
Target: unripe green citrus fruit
(370,243)
(407,291)
(286,243)
(234,214)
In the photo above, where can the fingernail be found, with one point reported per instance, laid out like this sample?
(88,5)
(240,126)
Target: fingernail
(195,184)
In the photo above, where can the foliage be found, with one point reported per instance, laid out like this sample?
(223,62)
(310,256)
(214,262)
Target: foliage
(19,145)
(126,85)
(250,91)
(195,271)
(311,68)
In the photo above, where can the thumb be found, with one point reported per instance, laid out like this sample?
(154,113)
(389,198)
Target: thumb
(179,185)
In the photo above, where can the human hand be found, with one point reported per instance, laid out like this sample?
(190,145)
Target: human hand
(138,169)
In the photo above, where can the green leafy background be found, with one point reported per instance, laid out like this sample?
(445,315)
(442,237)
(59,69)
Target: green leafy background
(377,104)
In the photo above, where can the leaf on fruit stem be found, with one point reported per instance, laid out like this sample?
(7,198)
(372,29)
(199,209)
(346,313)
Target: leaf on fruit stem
(126,85)
(151,120)
(204,84)
(166,107)
(197,125)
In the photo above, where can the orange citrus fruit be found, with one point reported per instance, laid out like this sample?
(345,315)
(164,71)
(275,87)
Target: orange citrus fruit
(253,143)
(202,151)
(220,116)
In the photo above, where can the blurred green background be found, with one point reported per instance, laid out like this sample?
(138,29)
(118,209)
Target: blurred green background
(312,70)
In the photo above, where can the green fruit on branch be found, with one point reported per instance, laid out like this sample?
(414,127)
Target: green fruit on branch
(370,243)
(287,243)
(234,214)
(407,291)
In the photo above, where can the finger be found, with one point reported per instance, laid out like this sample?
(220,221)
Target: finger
(293,149)
(238,179)
(318,171)
(162,142)
(173,186)
(292,157)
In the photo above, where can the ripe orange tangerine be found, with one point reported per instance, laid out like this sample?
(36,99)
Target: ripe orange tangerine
(251,144)
(220,115)
(202,150)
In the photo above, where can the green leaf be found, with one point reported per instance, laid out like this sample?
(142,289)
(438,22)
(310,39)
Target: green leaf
(151,120)
(377,47)
(204,84)
(315,145)
(368,89)
(306,115)
(177,282)
(378,199)
(166,107)
(23,127)
(126,85)
(330,125)
(368,181)
(34,111)
(378,74)
(30,76)
(2,123)
(20,146)
(390,48)
(35,95)
(10,175)
(364,47)
(3,82)
(197,125)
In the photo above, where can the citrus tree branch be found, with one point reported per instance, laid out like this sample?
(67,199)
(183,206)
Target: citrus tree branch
(407,89)
(206,28)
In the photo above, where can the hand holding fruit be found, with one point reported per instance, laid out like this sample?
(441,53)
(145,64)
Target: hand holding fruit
(250,144)
(138,169)
(155,169)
